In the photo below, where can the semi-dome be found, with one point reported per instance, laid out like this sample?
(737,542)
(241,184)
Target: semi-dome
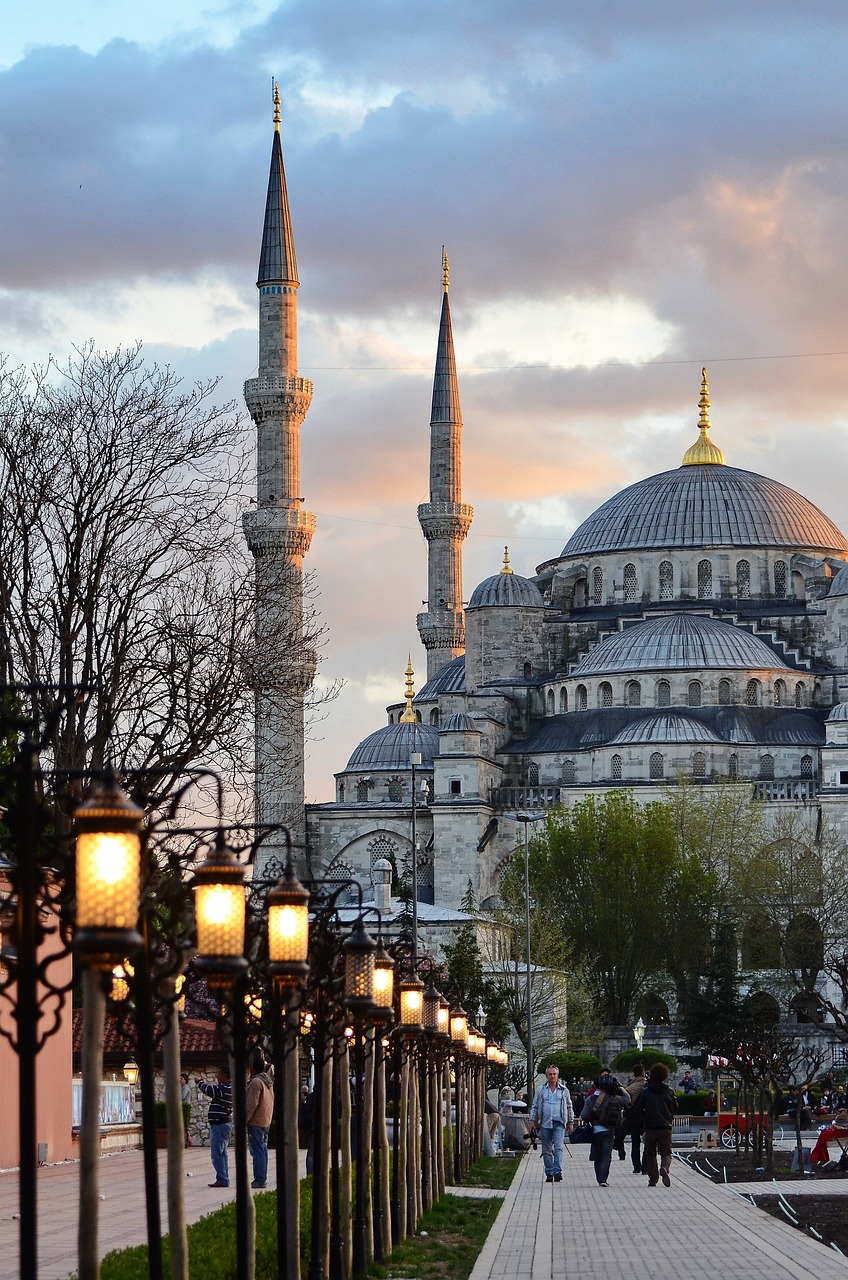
(839,586)
(839,712)
(706,506)
(678,642)
(391,747)
(451,679)
(666,726)
(459,722)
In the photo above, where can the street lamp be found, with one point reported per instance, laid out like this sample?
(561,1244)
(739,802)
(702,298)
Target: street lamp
(131,1071)
(359,952)
(108,854)
(525,819)
(220,910)
(411,1004)
(288,930)
(638,1034)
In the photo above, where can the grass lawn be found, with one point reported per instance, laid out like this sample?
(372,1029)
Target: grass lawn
(456,1229)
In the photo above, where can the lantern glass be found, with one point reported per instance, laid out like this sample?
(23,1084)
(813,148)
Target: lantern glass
(384,983)
(443,1018)
(359,974)
(492,1053)
(411,1003)
(120,987)
(131,1071)
(179,983)
(459,1027)
(432,1001)
(220,919)
(288,932)
(107,879)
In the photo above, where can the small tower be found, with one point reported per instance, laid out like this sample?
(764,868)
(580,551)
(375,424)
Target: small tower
(445,519)
(278,530)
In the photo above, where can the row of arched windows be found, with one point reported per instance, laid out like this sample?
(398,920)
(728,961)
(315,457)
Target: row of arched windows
(656,767)
(704,577)
(780,694)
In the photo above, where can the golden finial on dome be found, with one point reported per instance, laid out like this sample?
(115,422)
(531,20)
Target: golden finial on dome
(507,568)
(408,716)
(445,269)
(276,107)
(704,452)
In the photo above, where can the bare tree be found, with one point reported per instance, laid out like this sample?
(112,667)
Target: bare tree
(124,571)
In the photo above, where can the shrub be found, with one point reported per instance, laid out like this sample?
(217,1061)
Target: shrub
(691,1104)
(627,1060)
(572,1065)
(160,1111)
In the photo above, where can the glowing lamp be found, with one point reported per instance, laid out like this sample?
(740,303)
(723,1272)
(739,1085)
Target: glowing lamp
(384,983)
(411,1004)
(107,866)
(288,930)
(359,971)
(219,908)
(131,1071)
(459,1028)
(443,1018)
(432,1003)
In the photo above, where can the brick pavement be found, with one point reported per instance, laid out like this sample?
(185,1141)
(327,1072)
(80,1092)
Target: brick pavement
(693,1230)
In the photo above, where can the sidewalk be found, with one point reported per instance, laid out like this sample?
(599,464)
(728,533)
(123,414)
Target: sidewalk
(695,1230)
(122,1220)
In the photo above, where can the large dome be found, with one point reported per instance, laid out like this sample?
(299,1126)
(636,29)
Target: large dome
(678,642)
(391,746)
(705,506)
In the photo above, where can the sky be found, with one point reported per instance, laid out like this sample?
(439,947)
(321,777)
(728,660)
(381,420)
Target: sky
(625,192)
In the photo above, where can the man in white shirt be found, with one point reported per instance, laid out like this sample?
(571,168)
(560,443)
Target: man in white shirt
(553,1115)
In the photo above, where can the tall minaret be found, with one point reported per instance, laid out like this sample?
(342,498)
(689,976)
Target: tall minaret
(445,519)
(278,530)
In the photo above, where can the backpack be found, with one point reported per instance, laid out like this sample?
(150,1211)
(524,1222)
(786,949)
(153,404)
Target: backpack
(609,1110)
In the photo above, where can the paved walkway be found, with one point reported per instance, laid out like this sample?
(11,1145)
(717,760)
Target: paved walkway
(122,1220)
(694,1230)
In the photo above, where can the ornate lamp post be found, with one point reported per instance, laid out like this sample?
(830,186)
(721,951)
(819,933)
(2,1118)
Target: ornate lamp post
(639,1034)
(287,906)
(359,950)
(459,1046)
(384,981)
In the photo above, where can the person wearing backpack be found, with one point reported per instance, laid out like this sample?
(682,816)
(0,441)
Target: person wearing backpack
(656,1107)
(552,1114)
(607,1110)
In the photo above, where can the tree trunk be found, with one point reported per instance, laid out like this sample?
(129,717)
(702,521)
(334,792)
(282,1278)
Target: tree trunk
(366,1129)
(346,1171)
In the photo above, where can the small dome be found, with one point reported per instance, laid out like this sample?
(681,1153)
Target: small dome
(459,722)
(391,747)
(451,679)
(679,642)
(669,726)
(506,589)
(839,712)
(839,586)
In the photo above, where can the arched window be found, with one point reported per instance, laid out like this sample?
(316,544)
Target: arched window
(799,694)
(383,848)
(760,942)
(656,768)
(705,580)
(605,694)
(663,693)
(724,693)
(528,671)
(563,700)
(362,792)
(631,583)
(762,1009)
(434,716)
(598,585)
(743,579)
(551,702)
(580,696)
(695,693)
(533,775)
(767,767)
(817,692)
(568,772)
(652,1009)
(733,767)
(780,578)
(634,693)
(395,789)
(806,766)
(341,790)
(616,768)
(580,593)
(699,765)
(804,944)
(752,693)
(666,580)
(779,693)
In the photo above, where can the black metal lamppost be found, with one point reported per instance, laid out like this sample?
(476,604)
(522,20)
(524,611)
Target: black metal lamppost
(384,982)
(459,1046)
(359,951)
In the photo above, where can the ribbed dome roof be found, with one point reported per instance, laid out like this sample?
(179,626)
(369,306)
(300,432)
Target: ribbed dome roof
(839,586)
(705,506)
(839,712)
(459,722)
(679,642)
(451,679)
(506,589)
(668,726)
(391,746)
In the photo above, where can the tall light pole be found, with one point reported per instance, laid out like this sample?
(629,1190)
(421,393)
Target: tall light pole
(525,819)
(415,761)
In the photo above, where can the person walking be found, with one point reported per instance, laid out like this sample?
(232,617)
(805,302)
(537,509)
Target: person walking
(656,1107)
(260,1111)
(552,1114)
(605,1109)
(220,1097)
(633,1121)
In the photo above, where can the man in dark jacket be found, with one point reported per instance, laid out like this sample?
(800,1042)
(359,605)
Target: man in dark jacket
(634,1120)
(220,1097)
(656,1105)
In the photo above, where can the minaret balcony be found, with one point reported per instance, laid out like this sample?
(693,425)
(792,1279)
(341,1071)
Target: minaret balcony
(286,529)
(277,386)
(445,519)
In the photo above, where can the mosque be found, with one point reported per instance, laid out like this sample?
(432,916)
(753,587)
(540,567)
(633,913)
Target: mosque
(695,625)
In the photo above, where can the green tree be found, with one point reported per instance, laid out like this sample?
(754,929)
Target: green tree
(603,870)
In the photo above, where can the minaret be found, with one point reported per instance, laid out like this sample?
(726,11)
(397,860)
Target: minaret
(445,519)
(278,531)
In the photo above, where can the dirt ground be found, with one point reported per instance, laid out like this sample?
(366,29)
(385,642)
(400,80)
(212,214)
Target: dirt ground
(741,1168)
(825,1215)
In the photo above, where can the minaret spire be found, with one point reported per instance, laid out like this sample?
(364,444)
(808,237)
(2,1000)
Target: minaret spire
(445,519)
(278,530)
